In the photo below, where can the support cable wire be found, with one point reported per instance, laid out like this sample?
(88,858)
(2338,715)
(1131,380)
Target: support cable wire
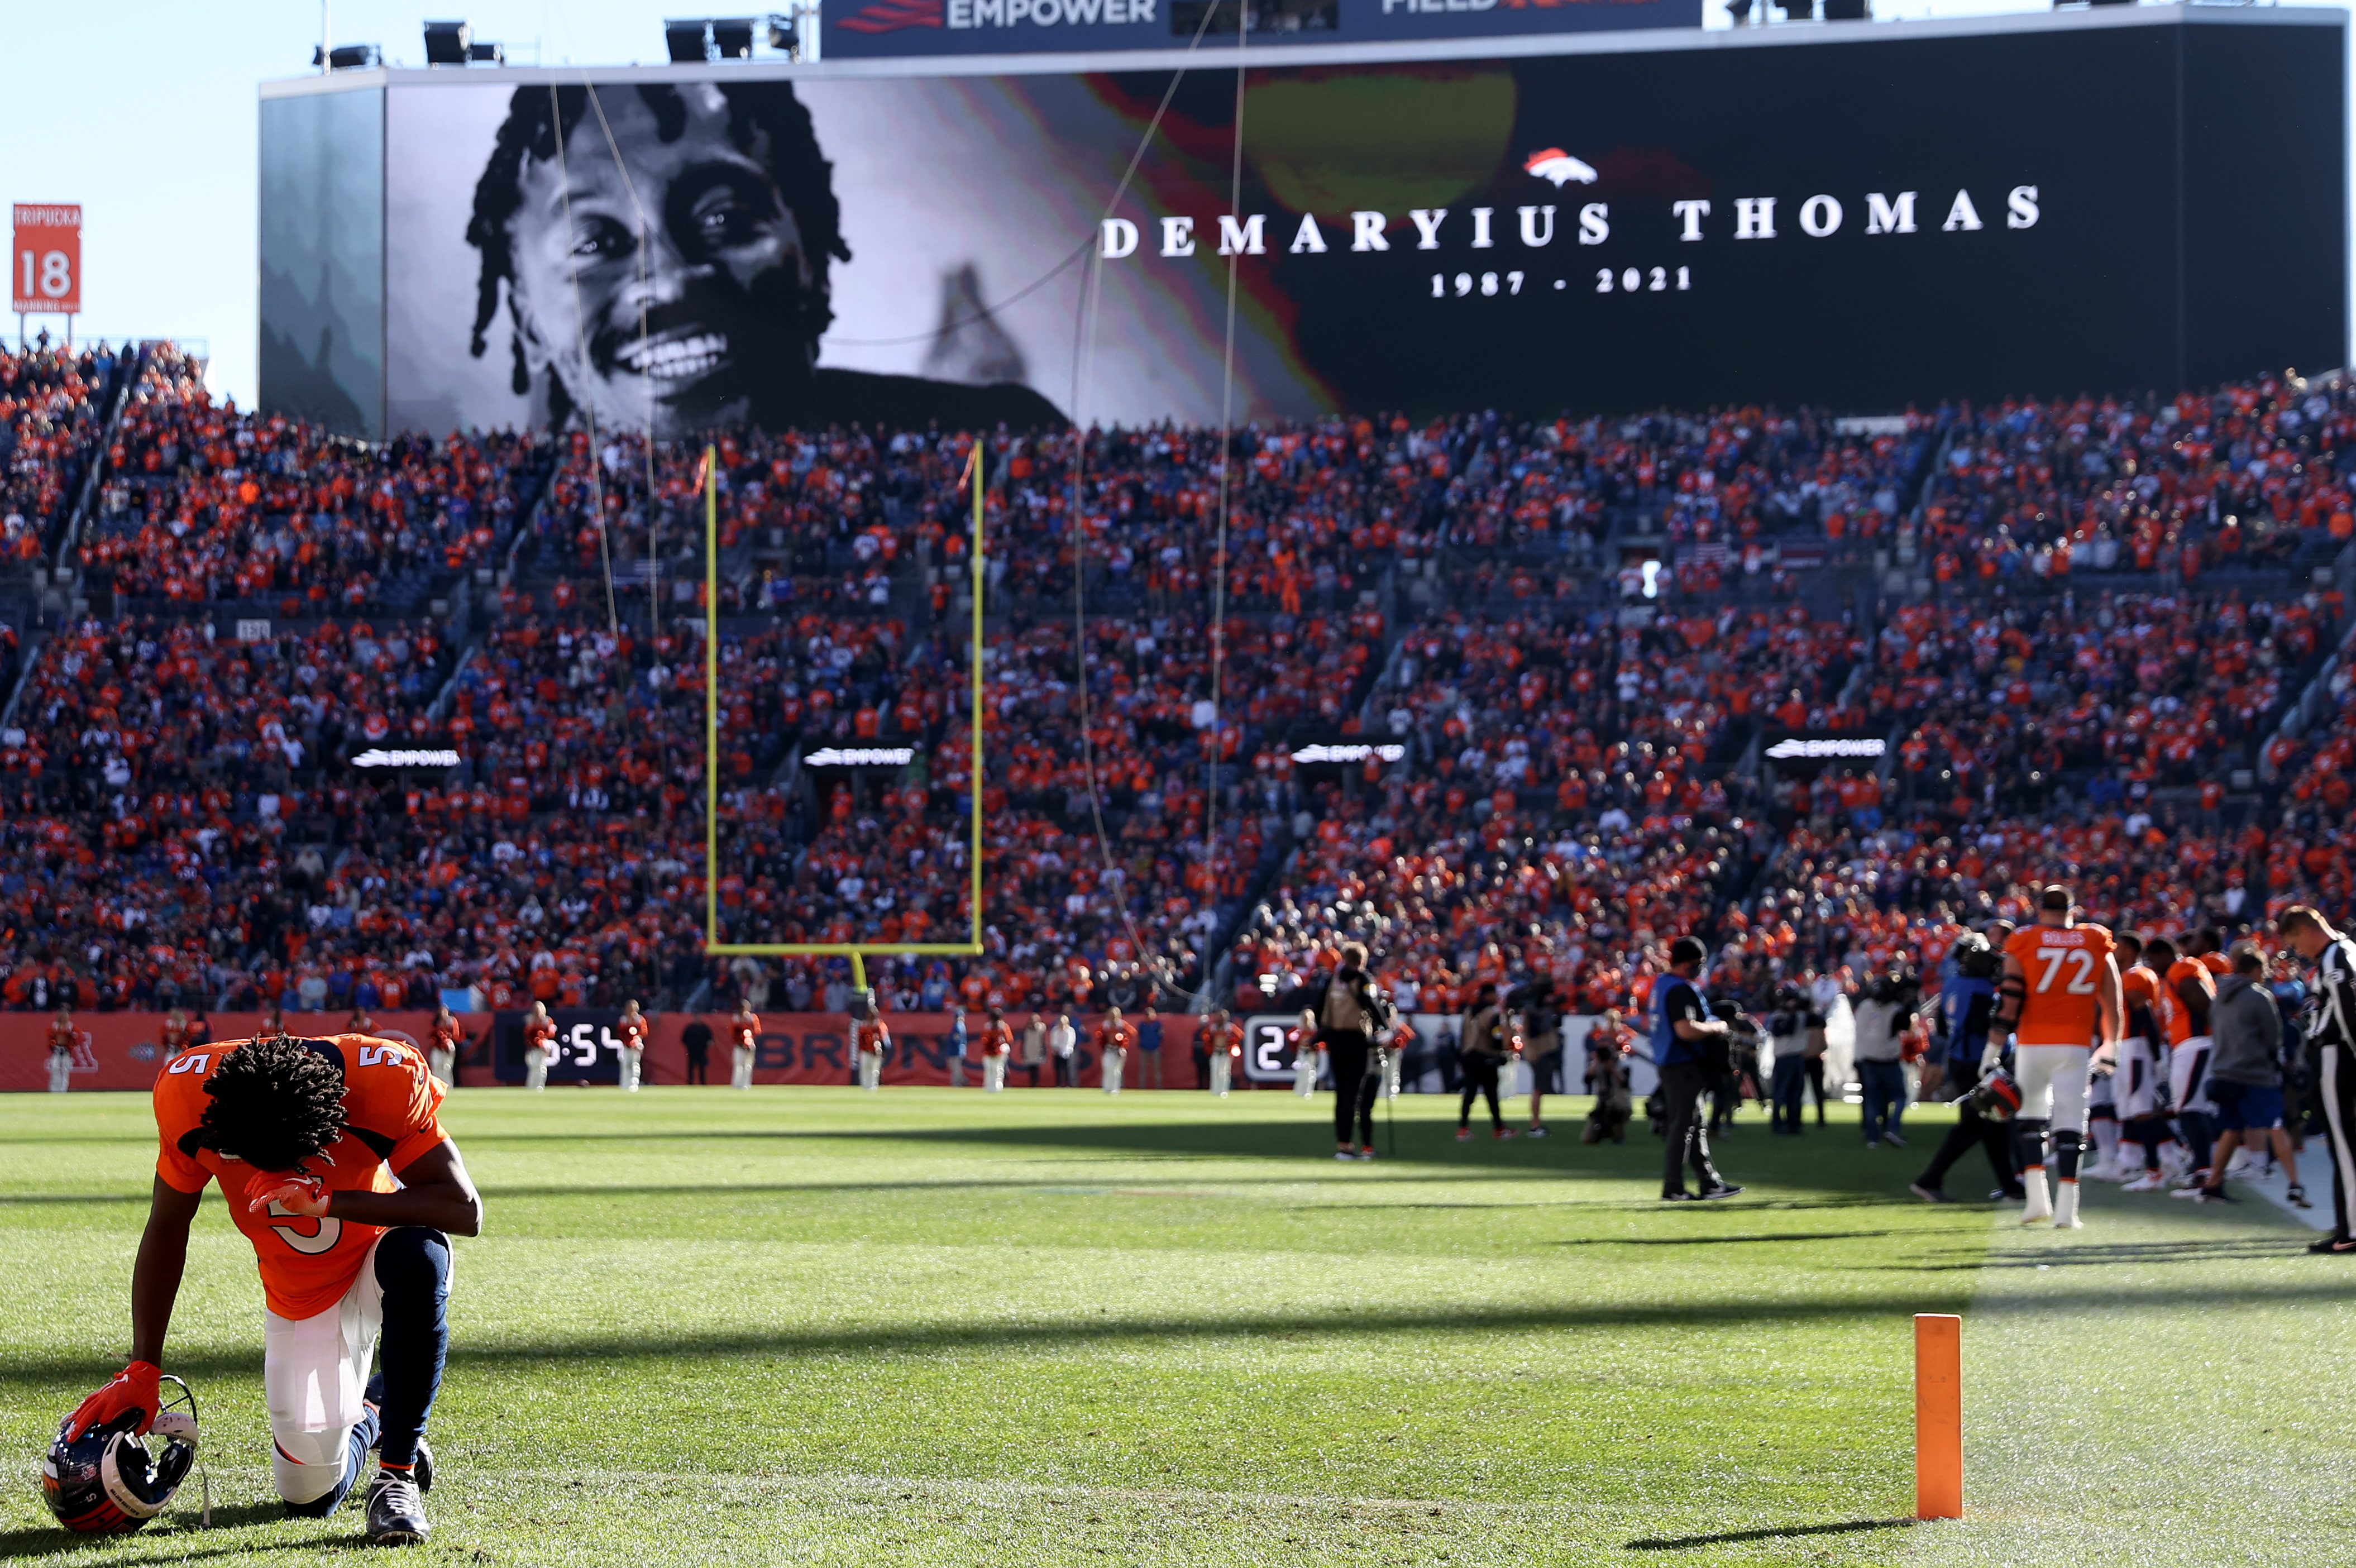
(646,238)
(581,350)
(1083,359)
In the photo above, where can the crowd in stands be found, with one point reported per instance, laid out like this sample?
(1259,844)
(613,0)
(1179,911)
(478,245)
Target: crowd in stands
(204,503)
(2122,609)
(52,406)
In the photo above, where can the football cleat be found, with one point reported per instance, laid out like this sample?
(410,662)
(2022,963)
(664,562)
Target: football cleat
(396,1512)
(105,1482)
(1927,1194)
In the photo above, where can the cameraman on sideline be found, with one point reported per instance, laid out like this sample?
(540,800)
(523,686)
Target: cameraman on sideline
(1351,1012)
(1685,1037)
(1884,1011)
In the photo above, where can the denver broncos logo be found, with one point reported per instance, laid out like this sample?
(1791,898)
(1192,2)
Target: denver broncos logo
(1555,164)
(890,16)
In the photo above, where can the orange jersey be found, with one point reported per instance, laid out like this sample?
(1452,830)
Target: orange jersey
(390,1103)
(634,1033)
(870,1035)
(2062,967)
(744,1031)
(2181,1025)
(61,1035)
(538,1032)
(1115,1037)
(2139,992)
(998,1040)
(2215,963)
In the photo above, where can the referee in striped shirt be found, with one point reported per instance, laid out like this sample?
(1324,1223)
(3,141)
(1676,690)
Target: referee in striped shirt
(2331,1030)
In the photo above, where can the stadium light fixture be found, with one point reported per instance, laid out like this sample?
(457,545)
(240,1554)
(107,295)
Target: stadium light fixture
(347,57)
(448,43)
(488,54)
(688,39)
(1849,10)
(732,37)
(784,36)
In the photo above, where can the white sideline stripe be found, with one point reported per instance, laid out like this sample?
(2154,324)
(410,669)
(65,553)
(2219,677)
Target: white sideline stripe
(2275,1189)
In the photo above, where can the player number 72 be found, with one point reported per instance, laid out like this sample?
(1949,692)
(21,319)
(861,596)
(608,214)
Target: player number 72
(2082,984)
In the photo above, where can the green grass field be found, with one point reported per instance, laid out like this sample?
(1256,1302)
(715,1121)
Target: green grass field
(809,1326)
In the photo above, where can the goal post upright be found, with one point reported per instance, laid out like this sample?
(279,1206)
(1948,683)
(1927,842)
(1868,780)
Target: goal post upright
(855,951)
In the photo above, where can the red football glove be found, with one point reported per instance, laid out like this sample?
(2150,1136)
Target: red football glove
(134,1387)
(307,1196)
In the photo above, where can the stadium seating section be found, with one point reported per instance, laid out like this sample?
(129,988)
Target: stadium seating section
(1500,698)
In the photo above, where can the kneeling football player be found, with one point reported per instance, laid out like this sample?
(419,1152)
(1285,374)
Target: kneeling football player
(332,1159)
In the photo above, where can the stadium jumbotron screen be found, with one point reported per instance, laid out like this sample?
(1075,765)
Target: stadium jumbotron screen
(1591,225)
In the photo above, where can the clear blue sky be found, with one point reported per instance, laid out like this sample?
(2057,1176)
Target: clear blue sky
(155,139)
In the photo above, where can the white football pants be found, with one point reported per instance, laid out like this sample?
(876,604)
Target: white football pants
(2054,1084)
(315,1371)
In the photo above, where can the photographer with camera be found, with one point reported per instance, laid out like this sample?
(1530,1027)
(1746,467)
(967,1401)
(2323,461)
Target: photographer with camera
(1483,1047)
(1688,1046)
(1351,1014)
(1608,1042)
(1532,1002)
(1884,1011)
(1796,1036)
(1966,1004)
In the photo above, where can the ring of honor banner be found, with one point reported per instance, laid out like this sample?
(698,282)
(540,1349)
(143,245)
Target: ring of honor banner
(119,1050)
(1849,217)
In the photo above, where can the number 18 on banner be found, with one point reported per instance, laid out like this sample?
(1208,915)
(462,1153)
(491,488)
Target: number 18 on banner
(45,260)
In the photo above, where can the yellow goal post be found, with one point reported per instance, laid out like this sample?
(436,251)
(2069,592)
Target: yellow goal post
(853,950)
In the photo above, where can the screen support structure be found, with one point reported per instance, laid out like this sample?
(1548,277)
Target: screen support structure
(709,485)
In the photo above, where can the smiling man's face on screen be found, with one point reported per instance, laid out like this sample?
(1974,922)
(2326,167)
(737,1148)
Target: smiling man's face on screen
(695,300)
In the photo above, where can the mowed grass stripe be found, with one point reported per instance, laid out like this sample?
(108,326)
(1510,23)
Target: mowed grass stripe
(1157,1329)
